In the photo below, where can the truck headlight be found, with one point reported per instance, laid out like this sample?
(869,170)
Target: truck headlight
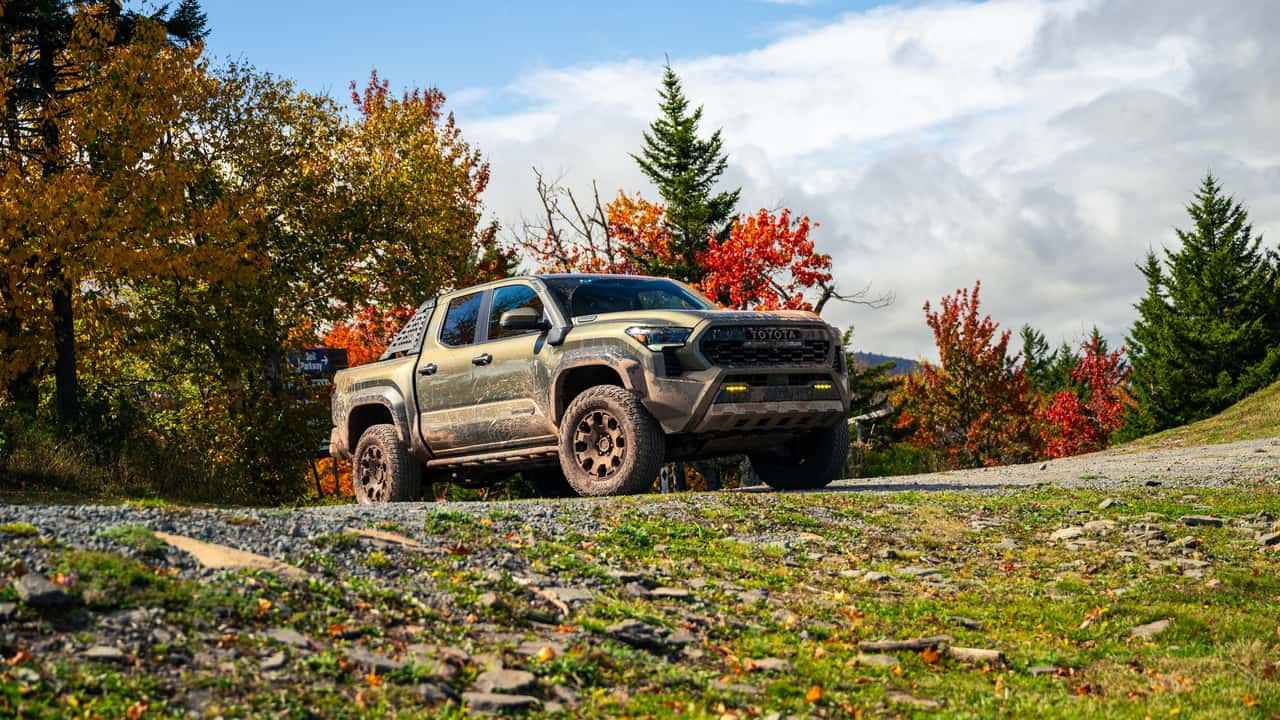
(660,338)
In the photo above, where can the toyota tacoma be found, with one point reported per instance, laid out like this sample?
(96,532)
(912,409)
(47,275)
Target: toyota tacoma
(591,383)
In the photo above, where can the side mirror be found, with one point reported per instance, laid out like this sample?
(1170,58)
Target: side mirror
(523,319)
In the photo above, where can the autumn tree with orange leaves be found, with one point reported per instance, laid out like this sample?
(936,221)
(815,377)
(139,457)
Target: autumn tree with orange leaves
(975,407)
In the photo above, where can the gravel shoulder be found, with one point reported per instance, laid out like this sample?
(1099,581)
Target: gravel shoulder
(1226,465)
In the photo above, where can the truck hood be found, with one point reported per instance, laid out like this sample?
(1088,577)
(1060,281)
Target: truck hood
(693,318)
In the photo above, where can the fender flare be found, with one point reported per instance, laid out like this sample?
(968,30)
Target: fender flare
(388,397)
(624,364)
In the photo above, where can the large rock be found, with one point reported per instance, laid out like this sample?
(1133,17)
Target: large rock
(505,681)
(1067,533)
(1202,520)
(1151,629)
(369,661)
(38,592)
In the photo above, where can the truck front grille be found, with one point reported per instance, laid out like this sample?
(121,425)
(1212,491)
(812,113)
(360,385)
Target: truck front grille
(738,353)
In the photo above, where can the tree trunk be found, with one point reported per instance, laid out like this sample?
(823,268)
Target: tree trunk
(64,331)
(64,344)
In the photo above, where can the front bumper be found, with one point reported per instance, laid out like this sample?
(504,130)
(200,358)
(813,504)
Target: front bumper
(775,399)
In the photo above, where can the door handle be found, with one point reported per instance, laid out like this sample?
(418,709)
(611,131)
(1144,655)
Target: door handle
(484,359)
(428,369)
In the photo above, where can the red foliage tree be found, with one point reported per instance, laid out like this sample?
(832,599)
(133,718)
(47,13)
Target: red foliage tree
(366,335)
(768,262)
(1082,420)
(975,407)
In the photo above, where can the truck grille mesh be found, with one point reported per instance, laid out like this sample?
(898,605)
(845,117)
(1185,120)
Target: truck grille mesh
(736,353)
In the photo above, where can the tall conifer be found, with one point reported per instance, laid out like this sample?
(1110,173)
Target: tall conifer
(1208,328)
(685,169)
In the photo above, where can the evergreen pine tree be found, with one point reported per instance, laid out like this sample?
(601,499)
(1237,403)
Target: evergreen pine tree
(685,169)
(1208,328)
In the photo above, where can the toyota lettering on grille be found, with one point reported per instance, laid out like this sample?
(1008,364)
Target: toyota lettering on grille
(772,337)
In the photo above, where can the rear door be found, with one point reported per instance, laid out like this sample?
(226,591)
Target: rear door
(446,380)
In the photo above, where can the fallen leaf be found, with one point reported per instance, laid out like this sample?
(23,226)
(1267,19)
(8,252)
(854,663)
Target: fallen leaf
(1093,616)
(264,607)
(930,655)
(566,629)
(136,710)
(337,629)
(546,654)
(18,658)
(458,549)
(1250,700)
(373,679)
(814,694)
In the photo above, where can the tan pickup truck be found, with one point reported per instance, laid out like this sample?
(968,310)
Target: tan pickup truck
(591,383)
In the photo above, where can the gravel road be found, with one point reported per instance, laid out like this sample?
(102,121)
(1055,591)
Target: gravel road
(1197,466)
(288,535)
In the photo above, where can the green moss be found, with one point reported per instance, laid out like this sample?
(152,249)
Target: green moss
(134,537)
(19,529)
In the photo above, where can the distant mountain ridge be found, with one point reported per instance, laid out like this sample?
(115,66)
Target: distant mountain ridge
(901,366)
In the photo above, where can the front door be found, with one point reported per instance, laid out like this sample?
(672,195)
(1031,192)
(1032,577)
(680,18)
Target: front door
(484,388)
(514,383)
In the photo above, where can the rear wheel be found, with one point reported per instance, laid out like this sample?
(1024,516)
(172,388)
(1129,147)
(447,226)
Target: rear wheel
(807,462)
(382,470)
(609,444)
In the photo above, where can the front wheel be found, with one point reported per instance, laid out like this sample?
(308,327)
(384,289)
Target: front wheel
(382,470)
(807,462)
(609,444)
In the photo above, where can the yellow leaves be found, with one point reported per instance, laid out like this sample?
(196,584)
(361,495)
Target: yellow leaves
(930,655)
(264,607)
(1093,616)
(546,654)
(373,679)
(814,694)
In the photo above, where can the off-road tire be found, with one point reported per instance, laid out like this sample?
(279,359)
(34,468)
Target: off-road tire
(807,462)
(382,469)
(608,426)
(548,482)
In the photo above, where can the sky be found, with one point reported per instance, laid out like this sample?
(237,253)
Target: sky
(1039,146)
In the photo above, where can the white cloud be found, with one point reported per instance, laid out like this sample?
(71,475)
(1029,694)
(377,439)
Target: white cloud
(1039,146)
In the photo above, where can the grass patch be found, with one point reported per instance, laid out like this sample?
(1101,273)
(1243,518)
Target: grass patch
(135,537)
(1256,417)
(107,581)
(19,529)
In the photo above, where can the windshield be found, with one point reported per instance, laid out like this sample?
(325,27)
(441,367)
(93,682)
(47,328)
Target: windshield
(579,296)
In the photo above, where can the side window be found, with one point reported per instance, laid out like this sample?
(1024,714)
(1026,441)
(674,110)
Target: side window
(460,320)
(507,299)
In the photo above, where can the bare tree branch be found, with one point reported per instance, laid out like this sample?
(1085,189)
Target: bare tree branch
(861,297)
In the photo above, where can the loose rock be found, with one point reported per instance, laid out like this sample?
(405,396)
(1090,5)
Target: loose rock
(495,703)
(505,681)
(1067,533)
(913,645)
(37,591)
(369,661)
(105,653)
(1150,629)
(1201,520)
